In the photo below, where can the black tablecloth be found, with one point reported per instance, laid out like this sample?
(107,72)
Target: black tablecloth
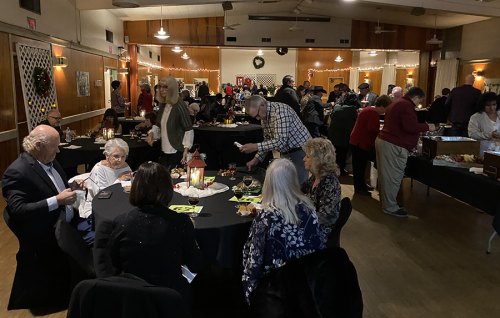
(218,143)
(90,153)
(477,190)
(129,124)
(220,232)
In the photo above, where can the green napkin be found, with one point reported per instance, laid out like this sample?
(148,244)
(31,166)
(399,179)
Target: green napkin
(247,199)
(186,208)
(209,179)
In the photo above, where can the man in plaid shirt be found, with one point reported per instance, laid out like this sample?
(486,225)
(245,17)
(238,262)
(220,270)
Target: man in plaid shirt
(283,133)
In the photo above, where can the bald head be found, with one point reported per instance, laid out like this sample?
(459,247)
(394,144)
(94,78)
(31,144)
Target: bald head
(42,143)
(469,79)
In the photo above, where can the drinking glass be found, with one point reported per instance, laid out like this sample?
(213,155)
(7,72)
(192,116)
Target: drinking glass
(247,181)
(232,171)
(193,200)
(238,193)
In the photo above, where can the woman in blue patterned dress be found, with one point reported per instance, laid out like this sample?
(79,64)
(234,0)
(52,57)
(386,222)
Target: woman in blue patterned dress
(287,228)
(323,187)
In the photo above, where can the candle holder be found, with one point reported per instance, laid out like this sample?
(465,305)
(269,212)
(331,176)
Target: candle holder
(196,171)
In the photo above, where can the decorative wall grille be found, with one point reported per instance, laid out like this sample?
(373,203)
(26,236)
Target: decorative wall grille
(264,79)
(36,106)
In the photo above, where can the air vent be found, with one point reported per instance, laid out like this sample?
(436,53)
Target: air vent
(344,41)
(266,40)
(231,39)
(126,3)
(284,18)
(310,40)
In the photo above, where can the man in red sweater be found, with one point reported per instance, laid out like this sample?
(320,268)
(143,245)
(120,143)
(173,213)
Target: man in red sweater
(362,141)
(393,145)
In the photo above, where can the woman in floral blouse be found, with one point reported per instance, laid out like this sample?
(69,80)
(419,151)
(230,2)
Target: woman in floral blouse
(323,187)
(287,228)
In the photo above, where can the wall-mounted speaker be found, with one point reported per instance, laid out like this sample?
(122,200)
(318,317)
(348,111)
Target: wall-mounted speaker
(282,50)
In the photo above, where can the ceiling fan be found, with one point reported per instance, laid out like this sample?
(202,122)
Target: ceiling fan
(295,27)
(379,29)
(226,6)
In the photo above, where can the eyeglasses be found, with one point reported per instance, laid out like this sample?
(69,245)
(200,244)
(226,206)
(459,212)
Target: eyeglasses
(56,118)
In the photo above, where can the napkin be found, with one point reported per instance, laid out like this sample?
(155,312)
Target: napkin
(247,199)
(73,147)
(186,208)
(476,170)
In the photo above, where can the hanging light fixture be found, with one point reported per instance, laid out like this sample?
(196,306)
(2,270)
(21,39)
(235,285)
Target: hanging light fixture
(260,53)
(185,56)
(177,49)
(161,34)
(372,53)
(339,58)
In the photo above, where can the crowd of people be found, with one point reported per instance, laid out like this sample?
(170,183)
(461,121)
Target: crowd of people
(309,141)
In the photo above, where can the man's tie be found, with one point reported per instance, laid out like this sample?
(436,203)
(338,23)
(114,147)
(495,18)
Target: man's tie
(60,187)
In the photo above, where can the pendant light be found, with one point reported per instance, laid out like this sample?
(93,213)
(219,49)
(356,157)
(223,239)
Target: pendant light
(177,49)
(339,58)
(185,56)
(161,34)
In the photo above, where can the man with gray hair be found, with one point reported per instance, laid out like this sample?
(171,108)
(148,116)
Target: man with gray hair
(284,133)
(53,120)
(37,195)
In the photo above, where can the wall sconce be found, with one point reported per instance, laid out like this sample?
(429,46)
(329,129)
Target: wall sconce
(478,73)
(60,61)
(367,78)
(409,76)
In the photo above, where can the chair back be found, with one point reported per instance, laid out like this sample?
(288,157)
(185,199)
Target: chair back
(125,296)
(321,284)
(345,213)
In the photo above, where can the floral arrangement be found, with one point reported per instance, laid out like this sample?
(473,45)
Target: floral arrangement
(42,81)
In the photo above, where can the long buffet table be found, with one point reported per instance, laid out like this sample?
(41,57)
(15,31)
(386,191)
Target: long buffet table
(477,190)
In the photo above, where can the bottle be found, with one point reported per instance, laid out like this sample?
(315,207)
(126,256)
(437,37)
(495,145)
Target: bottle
(68,135)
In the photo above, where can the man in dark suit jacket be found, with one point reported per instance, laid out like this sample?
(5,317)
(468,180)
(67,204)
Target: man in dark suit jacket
(37,195)
(287,95)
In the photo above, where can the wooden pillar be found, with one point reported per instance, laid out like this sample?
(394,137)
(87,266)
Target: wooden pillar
(133,78)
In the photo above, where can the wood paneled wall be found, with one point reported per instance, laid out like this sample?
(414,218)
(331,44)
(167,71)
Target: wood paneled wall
(7,110)
(197,31)
(319,75)
(204,62)
(403,78)
(374,79)
(491,69)
(405,37)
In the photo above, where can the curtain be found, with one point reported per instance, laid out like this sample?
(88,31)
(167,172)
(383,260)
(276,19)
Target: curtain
(388,77)
(446,75)
(354,79)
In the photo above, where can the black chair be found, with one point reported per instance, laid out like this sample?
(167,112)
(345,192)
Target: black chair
(345,213)
(125,296)
(322,284)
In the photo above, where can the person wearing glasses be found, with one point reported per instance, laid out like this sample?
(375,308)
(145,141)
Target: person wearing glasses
(53,120)
(107,171)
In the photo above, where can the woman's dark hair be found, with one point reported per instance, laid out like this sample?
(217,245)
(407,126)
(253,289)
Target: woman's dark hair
(485,99)
(383,100)
(415,92)
(152,185)
(152,117)
(111,112)
(300,88)
(115,84)
(351,99)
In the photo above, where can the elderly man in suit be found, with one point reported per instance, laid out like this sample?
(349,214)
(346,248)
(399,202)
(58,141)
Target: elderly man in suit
(365,96)
(37,195)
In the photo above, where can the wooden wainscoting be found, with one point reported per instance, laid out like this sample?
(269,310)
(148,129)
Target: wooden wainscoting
(375,80)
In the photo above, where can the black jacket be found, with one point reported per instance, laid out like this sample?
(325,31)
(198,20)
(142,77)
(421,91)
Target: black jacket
(287,95)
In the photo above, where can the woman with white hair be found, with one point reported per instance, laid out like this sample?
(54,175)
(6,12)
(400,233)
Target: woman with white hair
(287,228)
(175,124)
(107,171)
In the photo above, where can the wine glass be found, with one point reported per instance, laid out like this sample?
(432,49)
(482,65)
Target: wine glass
(193,200)
(238,193)
(247,181)
(232,171)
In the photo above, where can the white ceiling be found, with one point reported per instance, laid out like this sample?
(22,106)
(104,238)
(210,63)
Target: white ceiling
(450,13)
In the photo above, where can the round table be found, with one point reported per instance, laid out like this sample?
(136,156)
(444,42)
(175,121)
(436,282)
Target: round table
(90,153)
(220,232)
(129,124)
(218,143)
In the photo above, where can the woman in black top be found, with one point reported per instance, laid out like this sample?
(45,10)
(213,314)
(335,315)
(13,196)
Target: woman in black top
(152,241)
